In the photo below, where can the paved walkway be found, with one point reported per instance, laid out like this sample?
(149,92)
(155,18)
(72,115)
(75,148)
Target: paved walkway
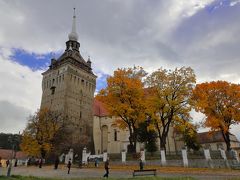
(48,171)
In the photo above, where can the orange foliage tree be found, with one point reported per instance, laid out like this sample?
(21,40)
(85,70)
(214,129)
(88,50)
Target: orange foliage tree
(220,102)
(124,99)
(44,132)
(168,96)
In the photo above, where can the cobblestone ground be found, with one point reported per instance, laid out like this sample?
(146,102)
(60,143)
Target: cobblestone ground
(48,171)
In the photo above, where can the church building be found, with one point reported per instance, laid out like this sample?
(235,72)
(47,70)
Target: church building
(68,87)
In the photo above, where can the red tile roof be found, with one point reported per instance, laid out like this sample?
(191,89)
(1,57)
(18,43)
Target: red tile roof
(99,109)
(7,154)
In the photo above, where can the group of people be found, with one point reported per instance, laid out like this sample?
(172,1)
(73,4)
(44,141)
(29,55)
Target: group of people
(7,162)
(69,164)
(106,165)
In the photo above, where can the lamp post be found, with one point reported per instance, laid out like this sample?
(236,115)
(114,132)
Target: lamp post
(13,139)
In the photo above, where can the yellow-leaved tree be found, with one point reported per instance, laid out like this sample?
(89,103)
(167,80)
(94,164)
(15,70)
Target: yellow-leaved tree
(220,102)
(124,98)
(44,133)
(167,98)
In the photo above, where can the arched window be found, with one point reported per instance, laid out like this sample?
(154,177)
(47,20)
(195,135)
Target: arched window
(115,135)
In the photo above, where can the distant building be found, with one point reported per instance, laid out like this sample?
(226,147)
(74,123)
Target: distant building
(214,140)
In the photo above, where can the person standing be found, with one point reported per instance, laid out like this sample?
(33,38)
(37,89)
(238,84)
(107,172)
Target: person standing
(40,163)
(16,163)
(106,166)
(141,165)
(56,162)
(69,165)
(96,162)
(7,163)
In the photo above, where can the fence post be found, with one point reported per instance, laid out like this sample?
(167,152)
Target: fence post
(84,155)
(123,156)
(184,156)
(223,154)
(142,155)
(105,156)
(208,157)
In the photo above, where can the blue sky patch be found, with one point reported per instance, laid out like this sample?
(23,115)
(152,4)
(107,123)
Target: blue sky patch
(32,60)
(41,61)
(101,81)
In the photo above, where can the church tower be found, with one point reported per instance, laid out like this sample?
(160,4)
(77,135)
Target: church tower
(68,87)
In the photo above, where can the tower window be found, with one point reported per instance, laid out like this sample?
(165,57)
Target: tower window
(52,90)
(63,77)
(80,114)
(115,135)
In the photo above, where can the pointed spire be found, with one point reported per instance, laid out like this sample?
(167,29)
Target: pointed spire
(89,61)
(73,35)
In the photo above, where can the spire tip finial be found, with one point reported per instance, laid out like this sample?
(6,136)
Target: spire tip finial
(74,13)
(73,35)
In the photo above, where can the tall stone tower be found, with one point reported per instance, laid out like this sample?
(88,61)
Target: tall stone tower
(68,86)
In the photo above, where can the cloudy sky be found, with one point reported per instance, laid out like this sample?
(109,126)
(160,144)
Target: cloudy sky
(203,34)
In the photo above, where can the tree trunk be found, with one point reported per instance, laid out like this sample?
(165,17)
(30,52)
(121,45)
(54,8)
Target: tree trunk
(163,143)
(132,146)
(43,153)
(226,137)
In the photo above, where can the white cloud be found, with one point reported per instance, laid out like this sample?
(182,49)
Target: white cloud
(117,33)
(20,91)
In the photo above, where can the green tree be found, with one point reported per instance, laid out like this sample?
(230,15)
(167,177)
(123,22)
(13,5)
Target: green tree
(147,136)
(189,133)
(4,141)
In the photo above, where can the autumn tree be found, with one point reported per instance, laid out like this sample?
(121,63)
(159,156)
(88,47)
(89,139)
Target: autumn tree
(45,132)
(124,99)
(220,102)
(167,98)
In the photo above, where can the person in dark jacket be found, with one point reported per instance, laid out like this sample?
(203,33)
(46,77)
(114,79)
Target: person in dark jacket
(56,162)
(141,164)
(7,163)
(69,165)
(40,162)
(106,167)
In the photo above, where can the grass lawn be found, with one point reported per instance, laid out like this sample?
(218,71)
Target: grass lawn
(38,178)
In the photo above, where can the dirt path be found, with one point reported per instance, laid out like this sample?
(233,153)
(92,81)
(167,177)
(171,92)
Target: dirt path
(116,172)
